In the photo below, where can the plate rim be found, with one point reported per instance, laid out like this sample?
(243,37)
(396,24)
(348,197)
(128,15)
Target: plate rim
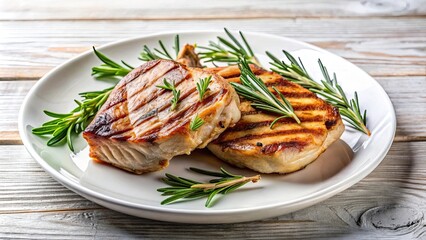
(312,197)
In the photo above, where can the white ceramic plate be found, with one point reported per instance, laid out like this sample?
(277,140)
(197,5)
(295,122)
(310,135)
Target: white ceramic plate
(345,163)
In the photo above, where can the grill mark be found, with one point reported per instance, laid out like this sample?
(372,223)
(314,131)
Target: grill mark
(206,102)
(165,106)
(152,135)
(272,134)
(281,82)
(104,121)
(310,107)
(274,147)
(137,72)
(108,131)
(252,112)
(243,126)
(193,108)
(160,91)
(119,94)
(150,83)
(233,75)
(296,94)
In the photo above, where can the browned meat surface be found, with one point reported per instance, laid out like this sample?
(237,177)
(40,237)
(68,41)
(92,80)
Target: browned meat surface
(287,147)
(137,131)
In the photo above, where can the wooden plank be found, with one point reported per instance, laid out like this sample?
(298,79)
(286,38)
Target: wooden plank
(188,9)
(10,137)
(409,102)
(403,91)
(389,203)
(394,47)
(11,97)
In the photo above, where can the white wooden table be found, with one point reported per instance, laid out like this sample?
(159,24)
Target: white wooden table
(386,38)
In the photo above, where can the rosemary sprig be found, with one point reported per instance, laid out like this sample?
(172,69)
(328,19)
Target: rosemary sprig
(63,126)
(255,90)
(328,88)
(202,86)
(147,54)
(187,189)
(228,50)
(196,123)
(109,68)
(176,93)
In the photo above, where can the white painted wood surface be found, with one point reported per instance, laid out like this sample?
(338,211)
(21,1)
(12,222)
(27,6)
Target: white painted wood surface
(384,37)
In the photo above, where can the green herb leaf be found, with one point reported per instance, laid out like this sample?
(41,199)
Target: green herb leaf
(196,123)
(109,68)
(228,50)
(176,93)
(328,89)
(63,126)
(202,86)
(255,90)
(148,55)
(183,189)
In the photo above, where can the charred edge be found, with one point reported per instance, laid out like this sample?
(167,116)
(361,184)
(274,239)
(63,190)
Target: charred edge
(243,126)
(107,131)
(272,134)
(333,116)
(109,116)
(99,122)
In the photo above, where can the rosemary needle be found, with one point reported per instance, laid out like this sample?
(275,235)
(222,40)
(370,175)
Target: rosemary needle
(196,123)
(202,86)
(328,88)
(176,93)
(147,54)
(64,125)
(188,189)
(109,68)
(253,89)
(228,50)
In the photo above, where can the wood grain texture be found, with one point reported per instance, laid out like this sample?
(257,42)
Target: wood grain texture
(386,38)
(11,98)
(389,203)
(219,9)
(393,47)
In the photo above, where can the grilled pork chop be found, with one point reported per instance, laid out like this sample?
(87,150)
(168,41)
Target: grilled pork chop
(287,147)
(136,130)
